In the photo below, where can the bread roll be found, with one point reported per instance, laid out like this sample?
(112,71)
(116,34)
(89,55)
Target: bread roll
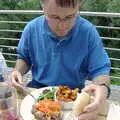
(82,100)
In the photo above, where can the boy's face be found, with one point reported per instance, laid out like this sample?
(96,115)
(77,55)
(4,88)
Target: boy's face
(60,19)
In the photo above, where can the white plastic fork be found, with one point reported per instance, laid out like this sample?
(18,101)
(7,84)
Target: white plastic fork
(24,88)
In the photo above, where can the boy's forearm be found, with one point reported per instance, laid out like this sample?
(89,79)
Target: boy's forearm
(102,79)
(22,66)
(104,82)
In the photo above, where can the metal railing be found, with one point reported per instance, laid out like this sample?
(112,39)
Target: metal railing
(38,12)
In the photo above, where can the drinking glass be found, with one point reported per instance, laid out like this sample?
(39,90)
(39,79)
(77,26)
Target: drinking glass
(8,102)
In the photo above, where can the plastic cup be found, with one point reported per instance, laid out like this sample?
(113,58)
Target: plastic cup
(8,103)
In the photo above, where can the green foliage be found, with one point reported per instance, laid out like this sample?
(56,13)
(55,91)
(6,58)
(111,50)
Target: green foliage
(95,5)
(113,4)
(28,5)
(114,80)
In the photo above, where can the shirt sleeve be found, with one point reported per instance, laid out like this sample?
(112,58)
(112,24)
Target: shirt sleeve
(23,46)
(98,60)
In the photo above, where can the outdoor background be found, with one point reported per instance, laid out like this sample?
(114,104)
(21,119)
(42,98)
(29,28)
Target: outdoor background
(89,5)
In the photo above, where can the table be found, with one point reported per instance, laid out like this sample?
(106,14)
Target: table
(103,110)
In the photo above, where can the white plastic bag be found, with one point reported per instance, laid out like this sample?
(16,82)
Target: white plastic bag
(2,61)
(3,66)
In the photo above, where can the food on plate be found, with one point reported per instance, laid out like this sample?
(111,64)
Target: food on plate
(47,109)
(47,93)
(82,100)
(66,94)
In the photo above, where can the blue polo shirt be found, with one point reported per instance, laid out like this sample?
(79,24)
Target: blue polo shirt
(63,61)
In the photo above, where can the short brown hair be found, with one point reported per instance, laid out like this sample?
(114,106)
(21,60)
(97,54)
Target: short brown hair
(65,3)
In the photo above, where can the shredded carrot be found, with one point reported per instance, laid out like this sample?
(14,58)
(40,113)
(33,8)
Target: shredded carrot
(48,106)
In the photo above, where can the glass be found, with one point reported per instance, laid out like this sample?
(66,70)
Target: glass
(8,103)
(67,19)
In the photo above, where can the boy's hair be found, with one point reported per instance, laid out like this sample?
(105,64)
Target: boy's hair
(64,3)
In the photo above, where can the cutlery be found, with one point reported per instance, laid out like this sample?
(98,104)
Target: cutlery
(26,91)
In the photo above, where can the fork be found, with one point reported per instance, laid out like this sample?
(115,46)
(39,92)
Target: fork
(26,91)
